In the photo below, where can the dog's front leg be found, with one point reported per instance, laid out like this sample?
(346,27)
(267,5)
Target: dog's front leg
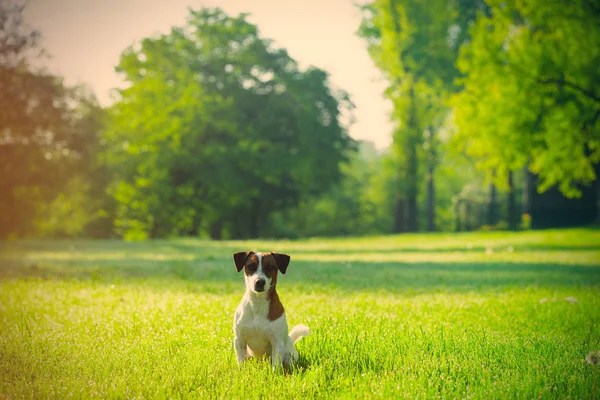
(241,351)
(281,358)
(276,355)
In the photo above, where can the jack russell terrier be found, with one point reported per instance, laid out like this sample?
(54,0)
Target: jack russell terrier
(259,326)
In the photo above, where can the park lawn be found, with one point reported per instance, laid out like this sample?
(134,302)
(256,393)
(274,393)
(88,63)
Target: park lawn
(473,315)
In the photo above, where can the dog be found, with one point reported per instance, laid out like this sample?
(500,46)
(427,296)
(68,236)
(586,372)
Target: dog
(260,327)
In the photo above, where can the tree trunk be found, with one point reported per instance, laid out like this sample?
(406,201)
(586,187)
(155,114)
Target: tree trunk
(430,183)
(430,199)
(457,208)
(492,217)
(399,217)
(256,220)
(527,190)
(216,230)
(412,166)
(410,145)
(482,214)
(411,220)
(195,227)
(512,208)
(597,192)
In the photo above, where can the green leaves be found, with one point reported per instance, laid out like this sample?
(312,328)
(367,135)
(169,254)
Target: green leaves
(529,91)
(415,45)
(219,125)
(48,132)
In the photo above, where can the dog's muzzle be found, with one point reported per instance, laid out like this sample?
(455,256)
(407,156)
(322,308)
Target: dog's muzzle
(259,285)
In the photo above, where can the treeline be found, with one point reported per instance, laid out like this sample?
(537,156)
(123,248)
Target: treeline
(220,134)
(511,85)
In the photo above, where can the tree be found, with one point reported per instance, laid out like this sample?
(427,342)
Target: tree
(415,44)
(82,207)
(356,205)
(40,128)
(218,129)
(530,95)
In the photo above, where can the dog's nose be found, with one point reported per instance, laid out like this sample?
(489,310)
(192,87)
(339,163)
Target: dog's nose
(259,286)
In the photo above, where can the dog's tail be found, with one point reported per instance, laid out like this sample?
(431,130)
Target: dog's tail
(298,332)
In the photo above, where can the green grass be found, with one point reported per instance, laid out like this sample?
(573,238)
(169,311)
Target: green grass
(479,315)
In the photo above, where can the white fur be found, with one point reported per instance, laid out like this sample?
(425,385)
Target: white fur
(298,332)
(255,335)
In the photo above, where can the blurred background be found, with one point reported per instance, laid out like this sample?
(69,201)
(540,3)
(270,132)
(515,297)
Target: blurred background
(266,119)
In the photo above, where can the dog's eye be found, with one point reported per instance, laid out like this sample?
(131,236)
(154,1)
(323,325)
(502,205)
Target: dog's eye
(252,267)
(269,268)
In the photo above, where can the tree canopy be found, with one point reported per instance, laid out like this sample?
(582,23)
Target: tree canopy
(44,127)
(217,132)
(415,45)
(218,128)
(530,91)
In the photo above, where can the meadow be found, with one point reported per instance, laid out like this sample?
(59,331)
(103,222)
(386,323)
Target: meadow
(471,315)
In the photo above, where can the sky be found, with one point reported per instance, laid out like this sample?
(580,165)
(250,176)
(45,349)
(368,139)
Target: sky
(86,37)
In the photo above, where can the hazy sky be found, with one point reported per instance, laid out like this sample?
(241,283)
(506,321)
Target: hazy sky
(86,37)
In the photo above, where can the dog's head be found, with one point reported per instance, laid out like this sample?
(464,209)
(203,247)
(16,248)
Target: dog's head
(260,269)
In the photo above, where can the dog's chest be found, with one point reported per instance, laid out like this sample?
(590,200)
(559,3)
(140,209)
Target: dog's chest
(257,339)
(256,329)
(252,319)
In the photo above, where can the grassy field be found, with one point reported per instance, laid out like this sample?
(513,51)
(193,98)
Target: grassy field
(480,315)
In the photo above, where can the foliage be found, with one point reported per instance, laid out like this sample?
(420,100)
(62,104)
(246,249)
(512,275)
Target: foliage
(415,45)
(454,175)
(351,207)
(82,207)
(530,95)
(109,319)
(218,129)
(31,136)
(46,130)
(220,134)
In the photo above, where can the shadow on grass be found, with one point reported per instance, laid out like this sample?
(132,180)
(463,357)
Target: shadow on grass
(206,248)
(300,366)
(373,248)
(389,276)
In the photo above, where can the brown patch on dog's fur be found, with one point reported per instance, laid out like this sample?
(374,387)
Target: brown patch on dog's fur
(276,309)
(269,265)
(270,268)
(251,264)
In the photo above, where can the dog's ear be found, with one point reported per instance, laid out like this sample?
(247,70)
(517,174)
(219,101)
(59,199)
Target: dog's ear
(239,259)
(283,260)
